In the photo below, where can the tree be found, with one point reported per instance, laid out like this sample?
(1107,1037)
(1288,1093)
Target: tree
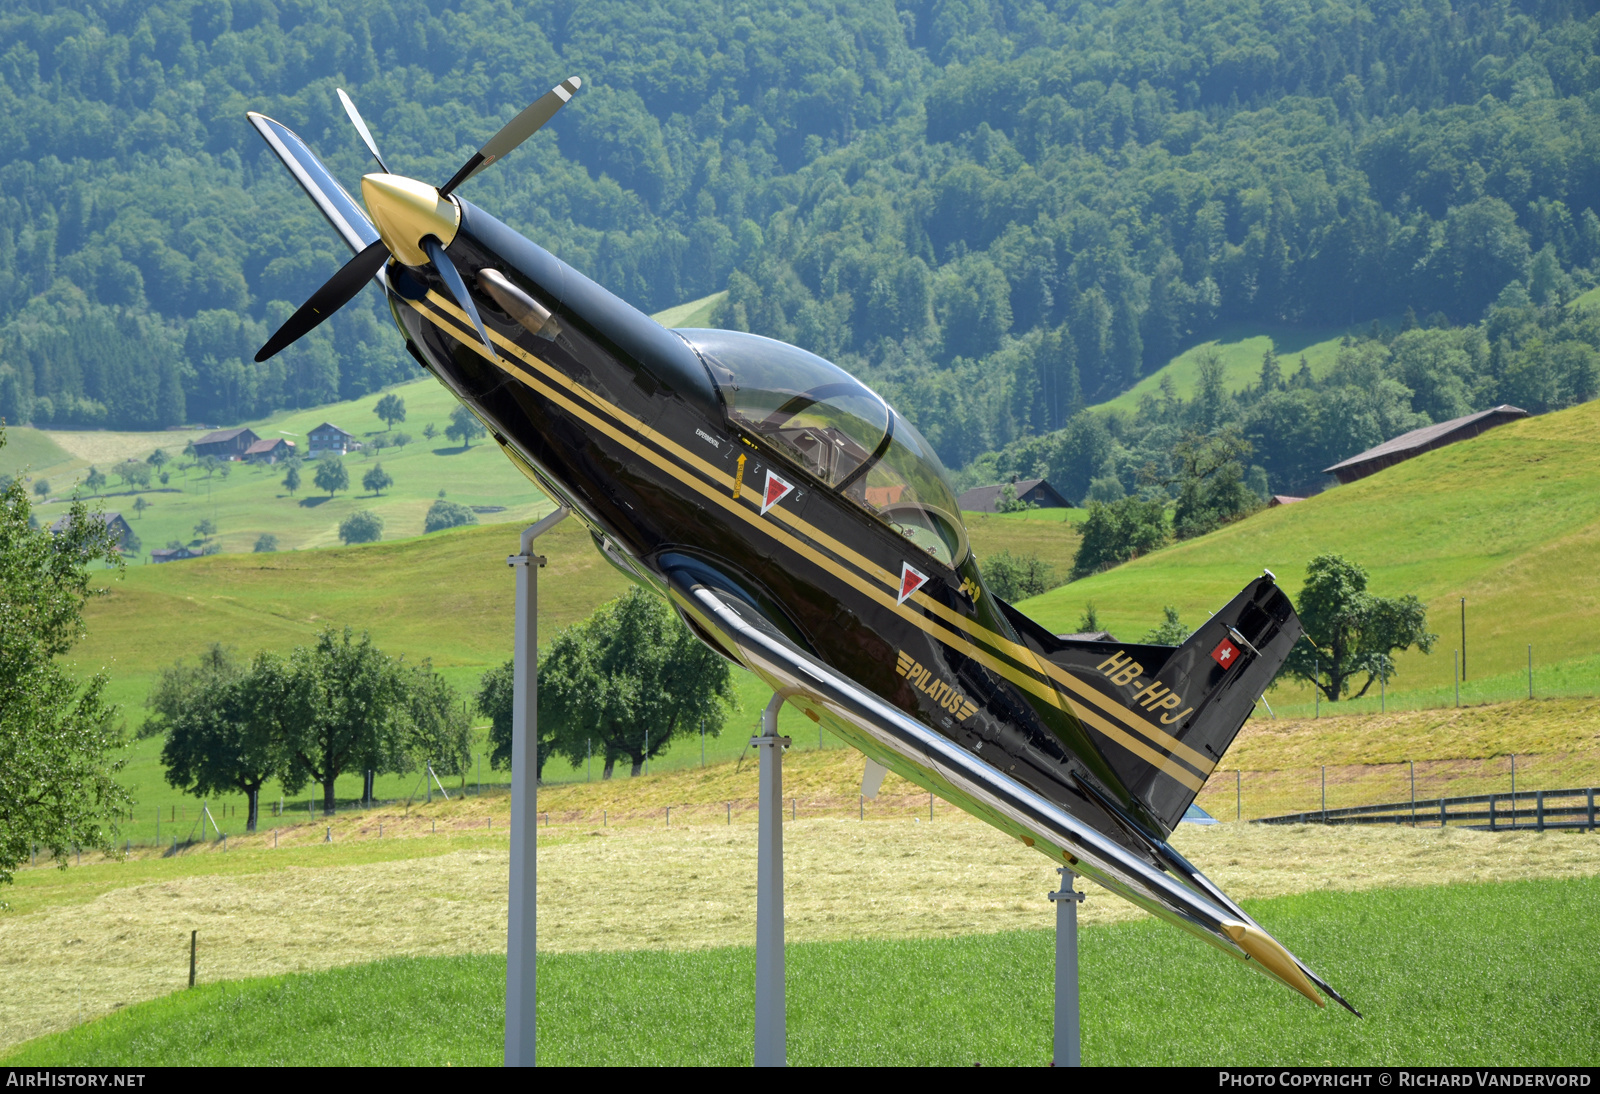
(363,527)
(139,506)
(291,479)
(496,692)
(42,488)
(1118,531)
(206,528)
(58,737)
(210,465)
(430,431)
(1211,487)
(1017,577)
(1169,632)
(1349,631)
(444,514)
(465,425)
(391,408)
(95,481)
(218,724)
(266,542)
(629,674)
(157,459)
(1008,502)
(342,704)
(439,731)
(331,475)
(376,479)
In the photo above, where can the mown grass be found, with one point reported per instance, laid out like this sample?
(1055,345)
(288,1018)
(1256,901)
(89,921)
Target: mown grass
(1464,975)
(1510,520)
(1240,347)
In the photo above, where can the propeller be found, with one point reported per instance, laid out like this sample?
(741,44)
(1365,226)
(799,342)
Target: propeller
(361,127)
(458,288)
(344,285)
(333,295)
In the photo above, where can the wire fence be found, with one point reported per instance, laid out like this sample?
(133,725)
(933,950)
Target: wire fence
(1258,795)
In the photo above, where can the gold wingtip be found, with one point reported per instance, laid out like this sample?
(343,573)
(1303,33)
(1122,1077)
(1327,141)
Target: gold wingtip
(1273,957)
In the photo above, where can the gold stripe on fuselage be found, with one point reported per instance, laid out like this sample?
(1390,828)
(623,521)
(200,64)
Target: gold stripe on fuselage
(748,511)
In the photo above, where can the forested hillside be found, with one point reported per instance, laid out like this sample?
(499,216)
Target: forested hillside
(996,211)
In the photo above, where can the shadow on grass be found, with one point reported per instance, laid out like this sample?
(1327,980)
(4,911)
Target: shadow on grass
(312,503)
(451,451)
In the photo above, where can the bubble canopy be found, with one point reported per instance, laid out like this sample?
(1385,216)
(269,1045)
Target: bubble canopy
(839,432)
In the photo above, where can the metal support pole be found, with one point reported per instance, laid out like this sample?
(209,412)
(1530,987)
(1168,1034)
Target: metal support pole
(1513,790)
(771,1041)
(1463,638)
(193,944)
(1067,1045)
(522,936)
(1413,764)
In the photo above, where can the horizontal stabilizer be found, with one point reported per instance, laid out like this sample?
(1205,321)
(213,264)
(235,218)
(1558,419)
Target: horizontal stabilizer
(1164,715)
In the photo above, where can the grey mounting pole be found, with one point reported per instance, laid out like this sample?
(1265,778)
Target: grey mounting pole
(522,936)
(1068,1050)
(771,1047)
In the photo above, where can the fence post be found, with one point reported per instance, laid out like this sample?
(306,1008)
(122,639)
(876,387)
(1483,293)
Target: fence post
(1513,790)
(1491,813)
(1591,809)
(1538,811)
(193,942)
(1441,812)
(1413,764)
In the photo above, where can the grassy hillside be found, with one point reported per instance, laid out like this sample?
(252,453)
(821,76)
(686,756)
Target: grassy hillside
(695,313)
(1240,347)
(1509,520)
(251,499)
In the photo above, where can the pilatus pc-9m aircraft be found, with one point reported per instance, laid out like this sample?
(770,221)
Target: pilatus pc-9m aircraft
(805,530)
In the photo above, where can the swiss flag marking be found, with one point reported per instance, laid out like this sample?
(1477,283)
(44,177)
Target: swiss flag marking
(910,581)
(1225,654)
(777,490)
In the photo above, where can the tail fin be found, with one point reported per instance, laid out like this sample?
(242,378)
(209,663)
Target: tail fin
(1164,715)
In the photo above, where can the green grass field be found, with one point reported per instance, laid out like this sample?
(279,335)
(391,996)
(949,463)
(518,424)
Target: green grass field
(1463,975)
(1241,348)
(251,499)
(1509,520)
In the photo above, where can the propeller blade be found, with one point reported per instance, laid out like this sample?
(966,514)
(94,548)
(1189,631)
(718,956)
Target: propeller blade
(333,295)
(361,127)
(515,131)
(458,288)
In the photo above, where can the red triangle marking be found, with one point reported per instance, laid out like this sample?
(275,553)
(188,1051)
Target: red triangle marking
(777,490)
(910,581)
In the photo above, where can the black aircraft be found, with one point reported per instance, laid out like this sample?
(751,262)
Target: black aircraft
(805,530)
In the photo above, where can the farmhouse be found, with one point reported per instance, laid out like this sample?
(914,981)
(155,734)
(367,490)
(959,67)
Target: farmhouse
(113,520)
(225,444)
(328,437)
(1036,492)
(1418,441)
(269,450)
(1282,499)
(172,554)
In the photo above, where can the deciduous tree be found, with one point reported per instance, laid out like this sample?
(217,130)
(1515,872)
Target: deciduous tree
(1349,631)
(332,475)
(631,672)
(58,736)
(391,408)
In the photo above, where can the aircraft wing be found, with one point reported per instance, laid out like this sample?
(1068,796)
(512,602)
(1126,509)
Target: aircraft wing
(900,742)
